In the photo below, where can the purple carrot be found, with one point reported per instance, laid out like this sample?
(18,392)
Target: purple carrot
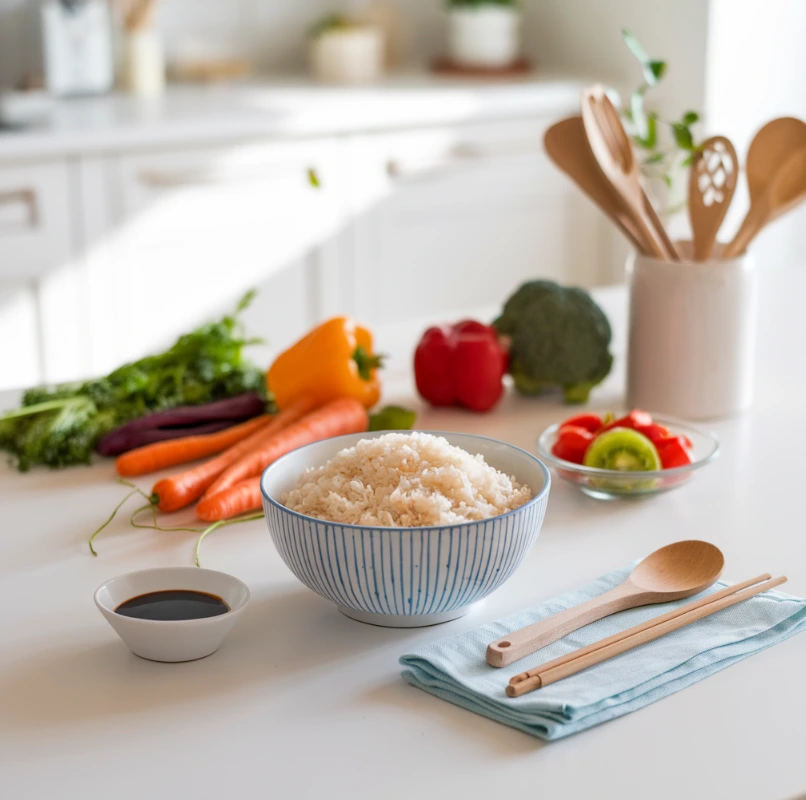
(181,421)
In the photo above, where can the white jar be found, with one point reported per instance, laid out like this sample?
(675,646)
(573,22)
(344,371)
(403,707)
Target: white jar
(483,36)
(348,55)
(144,63)
(692,336)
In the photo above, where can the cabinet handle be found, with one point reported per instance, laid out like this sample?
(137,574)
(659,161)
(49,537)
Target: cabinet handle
(455,158)
(168,180)
(26,198)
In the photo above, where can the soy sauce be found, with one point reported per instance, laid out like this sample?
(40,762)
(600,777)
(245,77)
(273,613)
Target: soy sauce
(173,605)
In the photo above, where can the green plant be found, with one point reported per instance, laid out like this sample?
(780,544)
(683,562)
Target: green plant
(479,3)
(659,157)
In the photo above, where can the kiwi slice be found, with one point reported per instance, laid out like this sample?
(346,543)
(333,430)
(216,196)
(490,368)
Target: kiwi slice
(622,450)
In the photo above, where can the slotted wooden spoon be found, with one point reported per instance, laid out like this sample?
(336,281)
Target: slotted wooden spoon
(676,571)
(711,184)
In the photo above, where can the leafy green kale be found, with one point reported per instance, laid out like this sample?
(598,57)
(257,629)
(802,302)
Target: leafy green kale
(60,426)
(559,338)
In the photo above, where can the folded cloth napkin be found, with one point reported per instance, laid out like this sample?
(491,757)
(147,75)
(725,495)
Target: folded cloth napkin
(455,669)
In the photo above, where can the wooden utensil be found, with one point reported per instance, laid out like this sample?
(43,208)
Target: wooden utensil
(676,571)
(711,184)
(570,664)
(567,146)
(785,190)
(770,148)
(613,151)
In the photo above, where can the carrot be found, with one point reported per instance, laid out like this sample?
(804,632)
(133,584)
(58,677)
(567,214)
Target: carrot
(237,499)
(182,489)
(161,455)
(338,417)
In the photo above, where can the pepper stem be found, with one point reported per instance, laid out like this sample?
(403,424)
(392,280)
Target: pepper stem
(366,362)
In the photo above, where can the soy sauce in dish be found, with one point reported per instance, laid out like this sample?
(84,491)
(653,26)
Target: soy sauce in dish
(173,605)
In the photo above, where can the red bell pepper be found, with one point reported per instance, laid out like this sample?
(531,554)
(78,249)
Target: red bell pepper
(461,364)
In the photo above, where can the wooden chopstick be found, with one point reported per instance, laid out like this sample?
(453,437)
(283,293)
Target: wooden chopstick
(648,631)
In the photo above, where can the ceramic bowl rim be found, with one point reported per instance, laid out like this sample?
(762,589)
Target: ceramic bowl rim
(392,529)
(105,609)
(670,422)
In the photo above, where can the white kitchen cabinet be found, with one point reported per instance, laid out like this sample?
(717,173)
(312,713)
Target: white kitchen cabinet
(38,315)
(191,230)
(458,218)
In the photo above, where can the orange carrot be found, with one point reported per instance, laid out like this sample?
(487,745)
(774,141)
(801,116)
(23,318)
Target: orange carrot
(182,489)
(161,455)
(237,499)
(338,417)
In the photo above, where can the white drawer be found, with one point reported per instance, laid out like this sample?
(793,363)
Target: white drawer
(34,219)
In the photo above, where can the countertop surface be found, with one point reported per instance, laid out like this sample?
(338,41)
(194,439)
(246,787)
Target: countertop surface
(281,109)
(303,702)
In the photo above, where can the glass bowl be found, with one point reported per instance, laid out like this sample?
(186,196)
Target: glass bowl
(608,484)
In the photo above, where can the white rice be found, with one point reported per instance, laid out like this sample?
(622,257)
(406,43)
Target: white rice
(405,480)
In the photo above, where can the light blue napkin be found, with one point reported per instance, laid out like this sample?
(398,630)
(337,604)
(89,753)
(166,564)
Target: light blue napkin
(455,669)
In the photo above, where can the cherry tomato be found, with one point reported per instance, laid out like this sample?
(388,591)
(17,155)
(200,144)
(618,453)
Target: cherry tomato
(635,419)
(572,442)
(590,422)
(672,452)
(653,432)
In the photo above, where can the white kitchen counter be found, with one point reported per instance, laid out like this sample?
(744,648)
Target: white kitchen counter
(281,108)
(302,702)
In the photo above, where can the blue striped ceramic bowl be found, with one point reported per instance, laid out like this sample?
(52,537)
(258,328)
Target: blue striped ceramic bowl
(405,577)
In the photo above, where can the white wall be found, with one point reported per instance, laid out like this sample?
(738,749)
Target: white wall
(756,72)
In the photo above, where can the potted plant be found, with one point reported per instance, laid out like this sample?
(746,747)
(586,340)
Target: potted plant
(483,33)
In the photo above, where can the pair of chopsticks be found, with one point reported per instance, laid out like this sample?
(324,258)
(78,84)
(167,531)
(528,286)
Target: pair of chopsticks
(571,663)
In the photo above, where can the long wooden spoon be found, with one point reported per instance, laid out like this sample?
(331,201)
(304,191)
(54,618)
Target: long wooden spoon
(568,147)
(786,189)
(676,571)
(711,184)
(613,151)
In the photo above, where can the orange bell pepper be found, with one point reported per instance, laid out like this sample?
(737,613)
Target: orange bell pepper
(334,360)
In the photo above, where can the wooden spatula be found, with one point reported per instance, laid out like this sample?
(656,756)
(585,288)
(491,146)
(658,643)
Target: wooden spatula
(567,146)
(613,150)
(711,184)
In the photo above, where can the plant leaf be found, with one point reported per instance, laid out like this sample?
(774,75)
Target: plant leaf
(650,141)
(683,137)
(313,178)
(635,47)
(654,71)
(655,158)
(690,117)
(667,179)
(638,117)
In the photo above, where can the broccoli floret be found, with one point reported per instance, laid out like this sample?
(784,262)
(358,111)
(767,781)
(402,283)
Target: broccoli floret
(559,338)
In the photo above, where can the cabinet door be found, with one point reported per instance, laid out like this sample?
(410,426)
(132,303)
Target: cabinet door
(193,230)
(40,310)
(458,218)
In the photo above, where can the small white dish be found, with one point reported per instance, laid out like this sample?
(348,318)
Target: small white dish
(175,640)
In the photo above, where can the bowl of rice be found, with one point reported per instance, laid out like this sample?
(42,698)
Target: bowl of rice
(405,528)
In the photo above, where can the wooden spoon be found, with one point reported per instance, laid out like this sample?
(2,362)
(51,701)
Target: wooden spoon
(711,184)
(676,571)
(567,146)
(770,148)
(785,190)
(613,151)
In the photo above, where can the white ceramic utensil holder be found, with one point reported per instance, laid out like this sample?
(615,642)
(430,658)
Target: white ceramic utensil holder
(692,335)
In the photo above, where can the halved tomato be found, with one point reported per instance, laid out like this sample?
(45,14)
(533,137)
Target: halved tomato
(672,451)
(590,422)
(572,442)
(635,419)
